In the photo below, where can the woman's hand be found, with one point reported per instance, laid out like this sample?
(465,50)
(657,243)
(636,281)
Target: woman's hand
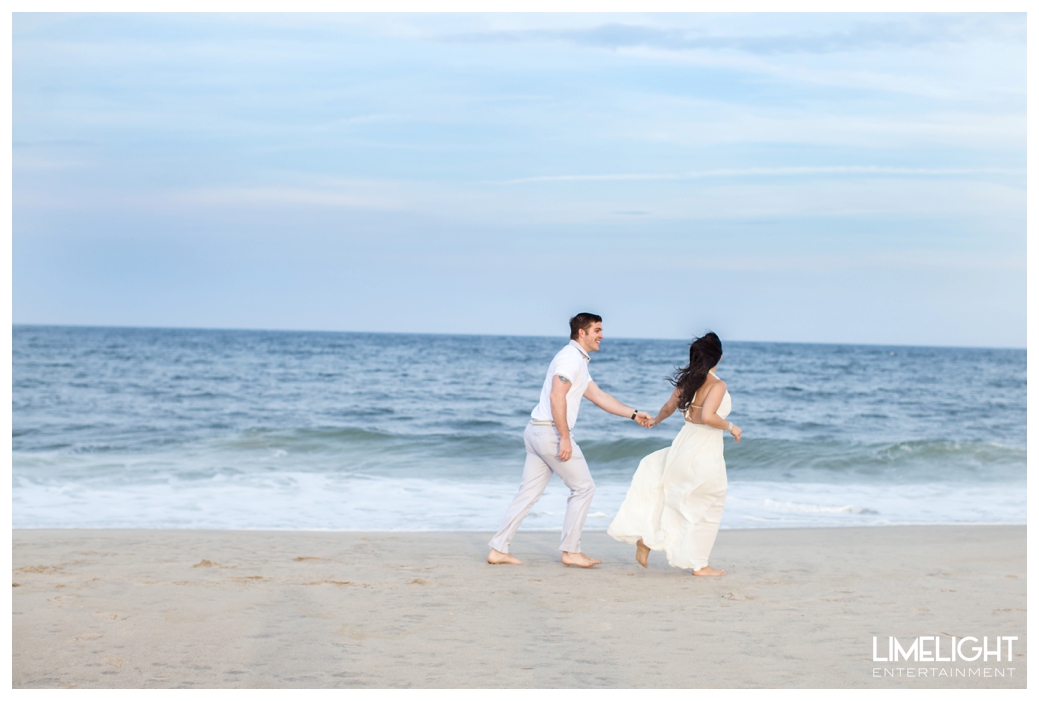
(736,432)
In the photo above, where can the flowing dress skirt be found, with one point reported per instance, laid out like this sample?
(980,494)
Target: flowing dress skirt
(676,498)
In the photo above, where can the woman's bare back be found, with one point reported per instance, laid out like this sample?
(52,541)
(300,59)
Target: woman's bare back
(694,412)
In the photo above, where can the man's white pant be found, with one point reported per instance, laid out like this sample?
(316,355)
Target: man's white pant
(542,447)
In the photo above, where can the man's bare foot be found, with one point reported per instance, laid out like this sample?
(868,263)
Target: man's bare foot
(708,571)
(642,553)
(579,560)
(499,558)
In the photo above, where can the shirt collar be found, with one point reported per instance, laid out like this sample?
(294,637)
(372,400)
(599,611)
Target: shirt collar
(580,350)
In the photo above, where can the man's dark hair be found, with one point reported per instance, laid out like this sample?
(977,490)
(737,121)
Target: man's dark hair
(582,321)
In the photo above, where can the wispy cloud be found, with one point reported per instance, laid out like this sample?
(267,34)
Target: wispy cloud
(864,33)
(278,196)
(771,172)
(30,163)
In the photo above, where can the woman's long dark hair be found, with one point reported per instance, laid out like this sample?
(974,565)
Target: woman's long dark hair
(704,354)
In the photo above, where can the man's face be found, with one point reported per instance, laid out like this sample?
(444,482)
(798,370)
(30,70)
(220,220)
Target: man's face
(590,337)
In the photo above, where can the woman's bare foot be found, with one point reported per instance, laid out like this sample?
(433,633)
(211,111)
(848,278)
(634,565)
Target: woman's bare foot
(579,560)
(708,571)
(499,558)
(642,553)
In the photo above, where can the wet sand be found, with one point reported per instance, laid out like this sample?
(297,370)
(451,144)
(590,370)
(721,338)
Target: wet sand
(799,608)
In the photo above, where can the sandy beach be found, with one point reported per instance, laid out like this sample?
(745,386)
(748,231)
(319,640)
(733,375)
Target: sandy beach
(799,608)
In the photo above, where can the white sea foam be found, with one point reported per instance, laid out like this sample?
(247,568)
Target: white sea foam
(300,500)
(794,507)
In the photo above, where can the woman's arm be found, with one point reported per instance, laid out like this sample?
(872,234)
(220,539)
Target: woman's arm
(710,408)
(669,407)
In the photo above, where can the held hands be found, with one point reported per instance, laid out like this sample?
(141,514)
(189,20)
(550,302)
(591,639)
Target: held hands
(644,419)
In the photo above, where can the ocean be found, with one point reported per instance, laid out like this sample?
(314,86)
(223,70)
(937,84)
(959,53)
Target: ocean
(180,428)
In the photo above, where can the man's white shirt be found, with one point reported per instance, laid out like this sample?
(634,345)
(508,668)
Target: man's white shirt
(572,363)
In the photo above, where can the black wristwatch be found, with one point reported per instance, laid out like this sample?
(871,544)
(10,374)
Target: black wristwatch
(634,414)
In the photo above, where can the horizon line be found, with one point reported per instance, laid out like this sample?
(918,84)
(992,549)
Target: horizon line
(499,335)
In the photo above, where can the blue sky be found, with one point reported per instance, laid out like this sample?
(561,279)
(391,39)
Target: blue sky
(817,178)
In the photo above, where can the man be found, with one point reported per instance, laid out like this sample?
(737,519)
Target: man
(550,447)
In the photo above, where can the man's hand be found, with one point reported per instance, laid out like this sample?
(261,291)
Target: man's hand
(565,449)
(644,419)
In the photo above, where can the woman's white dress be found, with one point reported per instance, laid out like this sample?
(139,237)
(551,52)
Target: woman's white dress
(677,495)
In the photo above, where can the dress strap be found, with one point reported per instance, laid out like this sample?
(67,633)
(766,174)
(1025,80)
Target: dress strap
(692,405)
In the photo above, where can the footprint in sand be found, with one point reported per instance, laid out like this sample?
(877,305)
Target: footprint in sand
(39,569)
(109,615)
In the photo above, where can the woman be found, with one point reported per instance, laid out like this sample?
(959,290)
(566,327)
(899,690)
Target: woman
(677,495)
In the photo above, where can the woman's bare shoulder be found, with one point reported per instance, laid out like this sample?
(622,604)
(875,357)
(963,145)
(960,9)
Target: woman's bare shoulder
(718,383)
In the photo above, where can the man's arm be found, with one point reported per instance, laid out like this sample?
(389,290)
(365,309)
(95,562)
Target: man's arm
(557,400)
(609,404)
